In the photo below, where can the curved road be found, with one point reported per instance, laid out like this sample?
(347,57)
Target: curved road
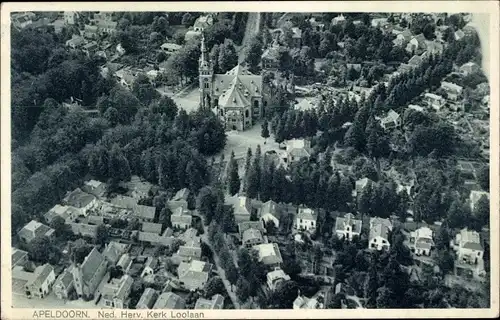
(252,29)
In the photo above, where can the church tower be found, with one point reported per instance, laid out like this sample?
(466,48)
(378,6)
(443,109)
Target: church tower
(206,71)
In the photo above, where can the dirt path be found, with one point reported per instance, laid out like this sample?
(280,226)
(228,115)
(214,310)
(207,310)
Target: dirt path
(252,29)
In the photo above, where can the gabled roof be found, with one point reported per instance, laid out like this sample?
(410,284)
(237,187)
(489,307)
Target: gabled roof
(250,225)
(269,253)
(277,274)
(147,299)
(35,229)
(78,199)
(17,255)
(40,275)
(151,262)
(181,195)
(169,300)
(307,214)
(193,252)
(65,278)
(270,207)
(124,261)
(251,234)
(151,227)
(217,302)
(348,220)
(91,263)
(240,78)
(236,96)
(144,212)
(114,250)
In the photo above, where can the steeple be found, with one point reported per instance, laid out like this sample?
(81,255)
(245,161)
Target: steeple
(204,50)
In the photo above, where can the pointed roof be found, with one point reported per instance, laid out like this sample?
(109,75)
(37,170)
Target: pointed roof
(236,96)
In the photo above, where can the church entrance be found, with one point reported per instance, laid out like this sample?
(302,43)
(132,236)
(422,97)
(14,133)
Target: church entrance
(234,127)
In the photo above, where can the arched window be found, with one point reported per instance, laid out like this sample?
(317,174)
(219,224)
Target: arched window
(256,104)
(216,102)
(247,113)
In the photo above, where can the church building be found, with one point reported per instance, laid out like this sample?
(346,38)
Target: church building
(237,96)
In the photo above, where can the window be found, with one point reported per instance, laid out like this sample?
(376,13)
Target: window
(478,254)
(375,240)
(348,229)
(372,245)
(247,113)
(383,241)
(207,85)
(312,223)
(300,220)
(256,104)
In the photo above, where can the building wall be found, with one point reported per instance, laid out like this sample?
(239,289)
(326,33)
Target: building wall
(305,224)
(377,243)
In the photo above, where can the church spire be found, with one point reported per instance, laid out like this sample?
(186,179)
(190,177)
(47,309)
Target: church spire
(204,51)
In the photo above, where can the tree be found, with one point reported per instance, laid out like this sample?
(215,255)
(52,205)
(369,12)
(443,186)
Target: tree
(233,176)
(78,250)
(187,19)
(371,287)
(102,234)
(60,227)
(144,90)
(242,289)
(284,295)
(253,54)
(40,249)
(228,57)
(445,260)
(165,106)
(112,116)
(482,211)
(483,178)
(214,286)
(443,237)
(384,298)
(265,130)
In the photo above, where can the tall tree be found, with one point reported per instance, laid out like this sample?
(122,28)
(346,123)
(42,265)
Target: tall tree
(265,130)
(228,57)
(233,180)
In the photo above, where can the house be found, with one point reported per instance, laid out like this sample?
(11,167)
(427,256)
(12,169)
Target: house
(270,211)
(453,91)
(194,275)
(415,61)
(80,200)
(88,275)
(216,303)
(125,262)
(64,284)
(170,48)
(391,120)
(155,239)
(434,47)
(190,238)
(124,202)
(20,278)
(106,27)
(459,35)
(90,48)
(347,227)
(189,253)
(138,188)
(67,213)
(34,229)
(316,25)
(270,56)
(125,77)
(144,213)
(114,251)
(379,22)
(18,257)
(190,35)
(70,17)
(306,219)
(120,50)
(180,199)
(475,196)
(41,283)
(94,187)
(169,300)
(83,229)
(269,255)
(421,241)
(402,38)
(340,19)
(149,267)
(296,37)
(467,245)
(251,237)
(378,238)
(275,277)
(361,184)
(303,302)
(147,299)
(416,43)
(151,227)
(116,292)
(22,20)
(242,207)
(203,22)
(296,150)
(76,42)
(90,32)
(416,107)
(434,100)
(180,219)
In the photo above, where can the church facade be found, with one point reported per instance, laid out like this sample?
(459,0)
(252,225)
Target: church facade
(238,97)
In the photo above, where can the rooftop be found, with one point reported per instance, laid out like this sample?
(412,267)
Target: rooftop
(169,300)
(78,199)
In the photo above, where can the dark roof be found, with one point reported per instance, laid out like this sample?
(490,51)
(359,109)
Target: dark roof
(78,199)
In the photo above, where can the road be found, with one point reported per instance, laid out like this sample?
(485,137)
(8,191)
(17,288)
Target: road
(251,30)
(220,271)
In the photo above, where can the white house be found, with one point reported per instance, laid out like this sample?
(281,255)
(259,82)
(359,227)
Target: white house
(392,120)
(270,211)
(80,200)
(454,91)
(41,283)
(347,227)
(434,100)
(275,277)
(361,185)
(378,238)
(421,241)
(306,219)
(467,245)
(469,68)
